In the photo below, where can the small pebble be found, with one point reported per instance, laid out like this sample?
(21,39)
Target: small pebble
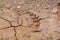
(18,6)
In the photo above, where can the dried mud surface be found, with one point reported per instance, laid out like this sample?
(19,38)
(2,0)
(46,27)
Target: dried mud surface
(29,19)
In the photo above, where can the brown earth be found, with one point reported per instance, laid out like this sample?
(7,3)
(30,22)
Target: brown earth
(29,19)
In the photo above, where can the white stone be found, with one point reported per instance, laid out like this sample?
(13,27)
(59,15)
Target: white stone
(18,6)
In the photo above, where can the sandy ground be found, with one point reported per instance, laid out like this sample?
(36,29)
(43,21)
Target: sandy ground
(29,19)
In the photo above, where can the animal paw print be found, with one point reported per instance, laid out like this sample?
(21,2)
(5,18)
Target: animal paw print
(35,20)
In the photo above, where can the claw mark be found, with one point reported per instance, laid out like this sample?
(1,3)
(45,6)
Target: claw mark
(58,4)
(36,17)
(37,31)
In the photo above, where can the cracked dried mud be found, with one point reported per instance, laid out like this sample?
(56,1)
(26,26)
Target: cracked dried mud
(29,19)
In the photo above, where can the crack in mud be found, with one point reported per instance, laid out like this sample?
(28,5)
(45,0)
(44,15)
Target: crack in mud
(10,26)
(15,33)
